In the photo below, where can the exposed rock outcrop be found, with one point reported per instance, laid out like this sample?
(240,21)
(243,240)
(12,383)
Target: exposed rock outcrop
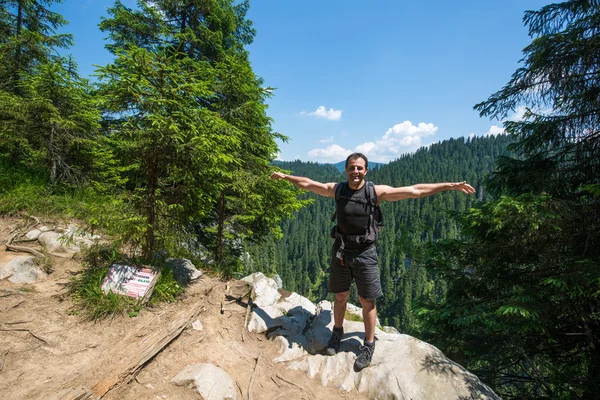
(403,367)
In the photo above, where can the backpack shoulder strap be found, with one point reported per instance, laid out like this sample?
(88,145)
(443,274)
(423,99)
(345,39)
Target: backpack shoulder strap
(338,191)
(339,188)
(371,194)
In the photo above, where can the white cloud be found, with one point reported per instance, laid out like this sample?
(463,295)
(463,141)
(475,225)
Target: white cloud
(518,114)
(322,112)
(332,154)
(326,140)
(399,139)
(494,130)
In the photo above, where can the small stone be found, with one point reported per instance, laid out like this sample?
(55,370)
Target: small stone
(197,325)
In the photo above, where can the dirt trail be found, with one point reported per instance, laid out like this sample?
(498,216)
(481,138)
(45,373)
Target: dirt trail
(45,347)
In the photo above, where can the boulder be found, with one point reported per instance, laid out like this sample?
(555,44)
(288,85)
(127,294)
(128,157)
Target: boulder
(22,269)
(265,289)
(58,245)
(33,234)
(210,381)
(183,270)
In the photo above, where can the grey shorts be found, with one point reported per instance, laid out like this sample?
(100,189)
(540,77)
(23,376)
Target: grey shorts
(360,265)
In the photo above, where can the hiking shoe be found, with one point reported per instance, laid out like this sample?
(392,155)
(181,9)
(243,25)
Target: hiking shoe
(365,356)
(333,346)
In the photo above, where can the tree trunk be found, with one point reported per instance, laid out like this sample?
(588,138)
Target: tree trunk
(52,153)
(151,208)
(18,28)
(219,247)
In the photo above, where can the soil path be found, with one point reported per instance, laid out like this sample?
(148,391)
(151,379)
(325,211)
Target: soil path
(45,347)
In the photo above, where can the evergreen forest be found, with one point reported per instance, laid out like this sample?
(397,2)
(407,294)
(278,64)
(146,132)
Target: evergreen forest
(169,153)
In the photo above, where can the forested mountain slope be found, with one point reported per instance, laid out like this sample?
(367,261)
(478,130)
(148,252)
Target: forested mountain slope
(302,256)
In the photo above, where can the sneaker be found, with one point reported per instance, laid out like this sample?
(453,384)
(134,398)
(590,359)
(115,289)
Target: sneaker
(333,346)
(365,356)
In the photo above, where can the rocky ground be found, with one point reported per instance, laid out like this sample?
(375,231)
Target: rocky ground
(47,347)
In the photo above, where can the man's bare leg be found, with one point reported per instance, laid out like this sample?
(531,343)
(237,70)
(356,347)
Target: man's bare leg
(339,308)
(369,317)
(365,354)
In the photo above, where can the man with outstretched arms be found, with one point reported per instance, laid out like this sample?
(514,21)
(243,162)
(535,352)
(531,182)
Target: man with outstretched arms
(354,255)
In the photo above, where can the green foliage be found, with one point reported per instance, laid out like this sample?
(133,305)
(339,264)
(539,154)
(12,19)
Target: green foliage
(28,38)
(522,308)
(187,115)
(167,288)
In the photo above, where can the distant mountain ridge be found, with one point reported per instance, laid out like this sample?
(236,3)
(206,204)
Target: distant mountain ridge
(340,166)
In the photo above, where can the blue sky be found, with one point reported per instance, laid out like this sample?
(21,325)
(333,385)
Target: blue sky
(383,77)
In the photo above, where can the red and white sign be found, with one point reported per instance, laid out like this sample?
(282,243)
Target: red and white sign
(129,280)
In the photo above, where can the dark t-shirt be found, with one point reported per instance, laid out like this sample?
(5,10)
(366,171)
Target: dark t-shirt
(352,216)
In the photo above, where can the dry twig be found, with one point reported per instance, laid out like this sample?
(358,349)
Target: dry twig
(293,384)
(14,306)
(239,388)
(252,378)
(25,330)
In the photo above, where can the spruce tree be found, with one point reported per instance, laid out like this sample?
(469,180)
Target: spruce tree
(185,107)
(522,308)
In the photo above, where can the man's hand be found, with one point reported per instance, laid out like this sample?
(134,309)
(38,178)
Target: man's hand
(463,187)
(278,175)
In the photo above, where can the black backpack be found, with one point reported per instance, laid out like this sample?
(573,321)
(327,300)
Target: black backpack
(375,215)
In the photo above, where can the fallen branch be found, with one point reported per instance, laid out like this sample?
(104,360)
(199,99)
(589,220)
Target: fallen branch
(37,221)
(139,352)
(23,249)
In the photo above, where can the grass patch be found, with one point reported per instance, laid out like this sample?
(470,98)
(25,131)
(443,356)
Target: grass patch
(46,264)
(27,289)
(166,289)
(352,317)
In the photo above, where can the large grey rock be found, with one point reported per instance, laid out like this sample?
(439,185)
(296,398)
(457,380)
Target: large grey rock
(66,243)
(33,234)
(22,269)
(58,245)
(183,270)
(210,381)
(403,367)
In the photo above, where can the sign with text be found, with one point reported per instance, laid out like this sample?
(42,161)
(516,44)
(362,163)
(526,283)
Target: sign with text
(135,281)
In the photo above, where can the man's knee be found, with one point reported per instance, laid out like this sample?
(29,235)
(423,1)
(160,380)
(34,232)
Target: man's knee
(342,296)
(367,304)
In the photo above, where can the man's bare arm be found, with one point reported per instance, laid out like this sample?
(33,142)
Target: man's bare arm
(388,193)
(323,189)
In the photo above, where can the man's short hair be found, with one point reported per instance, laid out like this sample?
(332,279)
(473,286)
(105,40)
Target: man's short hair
(354,156)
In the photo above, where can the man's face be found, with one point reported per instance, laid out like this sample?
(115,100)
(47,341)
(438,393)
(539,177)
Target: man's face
(356,172)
